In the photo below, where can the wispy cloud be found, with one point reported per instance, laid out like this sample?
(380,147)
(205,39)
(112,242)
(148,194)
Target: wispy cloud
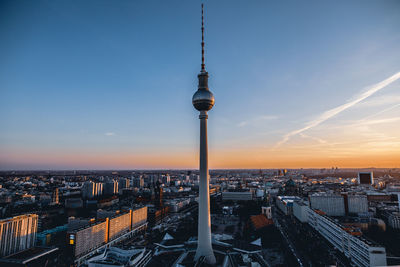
(319,140)
(335,111)
(381,112)
(257,120)
(381,121)
(384,100)
(109,134)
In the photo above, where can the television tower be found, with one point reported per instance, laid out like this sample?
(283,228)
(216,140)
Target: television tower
(203,101)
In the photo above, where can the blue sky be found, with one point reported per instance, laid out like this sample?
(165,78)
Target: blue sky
(86,83)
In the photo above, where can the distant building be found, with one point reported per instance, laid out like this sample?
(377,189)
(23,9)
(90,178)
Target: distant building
(17,233)
(267,212)
(237,196)
(138,182)
(378,197)
(92,189)
(177,204)
(111,188)
(365,178)
(357,204)
(166,179)
(285,203)
(55,198)
(301,210)
(332,205)
(122,184)
(73,203)
(393,219)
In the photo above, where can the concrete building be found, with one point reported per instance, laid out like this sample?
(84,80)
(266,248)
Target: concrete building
(111,187)
(55,197)
(115,257)
(122,184)
(92,189)
(285,203)
(332,205)
(365,178)
(360,251)
(165,179)
(17,233)
(73,203)
(177,204)
(301,210)
(237,196)
(138,182)
(394,220)
(357,204)
(101,232)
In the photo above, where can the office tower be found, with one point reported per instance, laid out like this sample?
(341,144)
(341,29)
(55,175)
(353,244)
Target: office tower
(122,184)
(17,233)
(111,187)
(55,199)
(92,189)
(203,101)
(138,182)
(158,195)
(366,178)
(166,179)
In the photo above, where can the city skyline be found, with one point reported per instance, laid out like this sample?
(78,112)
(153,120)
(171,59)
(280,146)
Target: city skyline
(96,85)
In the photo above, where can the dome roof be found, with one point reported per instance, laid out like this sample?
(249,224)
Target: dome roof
(290,183)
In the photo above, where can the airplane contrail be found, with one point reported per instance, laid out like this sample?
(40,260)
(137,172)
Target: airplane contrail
(333,112)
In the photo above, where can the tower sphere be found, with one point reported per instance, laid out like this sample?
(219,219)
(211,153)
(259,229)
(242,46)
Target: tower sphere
(203,100)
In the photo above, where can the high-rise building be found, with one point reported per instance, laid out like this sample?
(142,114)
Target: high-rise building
(17,233)
(166,179)
(138,182)
(111,187)
(203,101)
(122,184)
(366,178)
(55,199)
(92,189)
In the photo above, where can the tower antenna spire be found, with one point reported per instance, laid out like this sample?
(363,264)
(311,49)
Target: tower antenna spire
(202,39)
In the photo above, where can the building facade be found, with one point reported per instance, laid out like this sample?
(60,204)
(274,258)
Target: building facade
(285,203)
(17,234)
(357,204)
(93,236)
(237,196)
(359,250)
(332,205)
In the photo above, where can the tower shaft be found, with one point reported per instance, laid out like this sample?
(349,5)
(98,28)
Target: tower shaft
(204,246)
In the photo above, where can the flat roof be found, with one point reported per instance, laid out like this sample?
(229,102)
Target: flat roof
(28,255)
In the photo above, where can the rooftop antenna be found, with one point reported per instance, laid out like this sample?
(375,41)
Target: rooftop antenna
(202,39)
